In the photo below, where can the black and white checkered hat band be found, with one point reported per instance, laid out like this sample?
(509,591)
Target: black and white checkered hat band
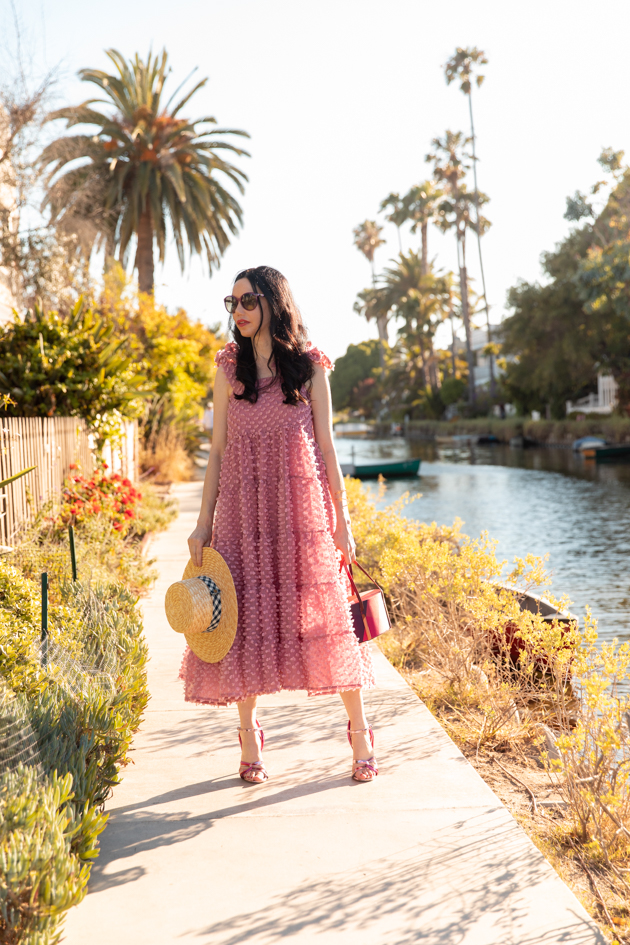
(215,593)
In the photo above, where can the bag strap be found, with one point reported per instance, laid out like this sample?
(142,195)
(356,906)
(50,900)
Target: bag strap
(369,577)
(354,588)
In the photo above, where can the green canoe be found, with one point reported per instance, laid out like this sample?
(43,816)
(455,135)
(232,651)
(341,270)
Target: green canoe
(390,469)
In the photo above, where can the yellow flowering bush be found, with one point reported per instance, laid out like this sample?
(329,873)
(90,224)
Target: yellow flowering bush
(495,674)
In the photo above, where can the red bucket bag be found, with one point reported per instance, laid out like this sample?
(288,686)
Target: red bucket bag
(368,608)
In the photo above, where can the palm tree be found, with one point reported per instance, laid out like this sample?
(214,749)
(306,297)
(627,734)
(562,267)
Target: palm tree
(449,165)
(371,303)
(367,239)
(420,206)
(144,170)
(397,215)
(420,299)
(460,67)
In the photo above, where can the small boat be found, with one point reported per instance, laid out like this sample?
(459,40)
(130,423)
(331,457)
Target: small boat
(535,605)
(521,442)
(588,443)
(456,439)
(390,469)
(540,605)
(487,439)
(608,453)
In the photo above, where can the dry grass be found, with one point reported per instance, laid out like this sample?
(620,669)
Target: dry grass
(164,458)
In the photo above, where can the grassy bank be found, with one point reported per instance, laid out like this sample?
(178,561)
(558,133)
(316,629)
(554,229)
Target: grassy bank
(540,710)
(69,708)
(545,432)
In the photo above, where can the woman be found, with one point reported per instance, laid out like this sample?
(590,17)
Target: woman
(274,506)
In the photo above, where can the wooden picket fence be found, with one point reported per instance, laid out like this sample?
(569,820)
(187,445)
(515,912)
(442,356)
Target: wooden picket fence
(51,444)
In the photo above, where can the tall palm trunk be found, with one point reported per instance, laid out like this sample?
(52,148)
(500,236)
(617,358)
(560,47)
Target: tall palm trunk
(453,343)
(424,231)
(463,284)
(434,371)
(423,368)
(381,324)
(144,252)
(483,278)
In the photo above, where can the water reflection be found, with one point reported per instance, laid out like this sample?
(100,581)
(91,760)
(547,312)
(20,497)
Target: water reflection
(535,500)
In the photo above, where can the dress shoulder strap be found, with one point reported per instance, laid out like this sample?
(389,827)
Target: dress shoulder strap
(226,359)
(318,356)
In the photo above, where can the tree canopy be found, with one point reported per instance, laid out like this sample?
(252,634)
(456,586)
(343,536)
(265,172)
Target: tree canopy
(352,370)
(577,322)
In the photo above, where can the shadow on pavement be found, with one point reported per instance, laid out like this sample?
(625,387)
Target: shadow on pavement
(390,890)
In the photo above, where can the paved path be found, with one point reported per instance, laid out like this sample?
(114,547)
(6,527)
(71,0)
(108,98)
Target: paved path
(427,853)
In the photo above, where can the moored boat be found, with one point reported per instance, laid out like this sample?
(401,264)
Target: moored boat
(390,469)
(521,442)
(604,453)
(540,605)
(588,443)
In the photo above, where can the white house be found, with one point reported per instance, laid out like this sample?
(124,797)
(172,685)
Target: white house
(479,339)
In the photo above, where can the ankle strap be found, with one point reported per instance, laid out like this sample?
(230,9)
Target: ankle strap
(248,729)
(357,731)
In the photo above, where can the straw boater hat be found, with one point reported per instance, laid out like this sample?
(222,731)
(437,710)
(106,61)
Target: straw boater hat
(203,607)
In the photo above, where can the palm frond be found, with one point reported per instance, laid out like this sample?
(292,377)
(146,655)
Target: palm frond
(188,96)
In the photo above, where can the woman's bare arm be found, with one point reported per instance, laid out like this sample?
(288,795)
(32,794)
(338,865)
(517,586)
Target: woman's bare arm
(322,422)
(202,535)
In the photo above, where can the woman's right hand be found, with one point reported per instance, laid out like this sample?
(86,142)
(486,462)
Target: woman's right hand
(200,539)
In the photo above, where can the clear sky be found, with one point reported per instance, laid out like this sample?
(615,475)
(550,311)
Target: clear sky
(342,99)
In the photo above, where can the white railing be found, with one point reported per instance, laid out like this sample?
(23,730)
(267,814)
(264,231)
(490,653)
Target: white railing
(603,402)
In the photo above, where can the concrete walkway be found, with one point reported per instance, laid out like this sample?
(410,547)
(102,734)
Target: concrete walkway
(427,853)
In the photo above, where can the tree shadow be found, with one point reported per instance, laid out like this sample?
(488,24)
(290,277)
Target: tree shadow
(446,891)
(133,830)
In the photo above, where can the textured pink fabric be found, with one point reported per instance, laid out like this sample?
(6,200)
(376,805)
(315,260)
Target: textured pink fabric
(273,525)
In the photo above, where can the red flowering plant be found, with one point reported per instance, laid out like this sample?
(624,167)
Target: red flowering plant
(84,497)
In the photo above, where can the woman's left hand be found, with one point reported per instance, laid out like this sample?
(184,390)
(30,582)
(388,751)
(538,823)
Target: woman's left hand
(342,537)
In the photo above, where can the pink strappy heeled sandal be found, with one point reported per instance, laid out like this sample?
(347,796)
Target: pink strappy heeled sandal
(254,772)
(363,770)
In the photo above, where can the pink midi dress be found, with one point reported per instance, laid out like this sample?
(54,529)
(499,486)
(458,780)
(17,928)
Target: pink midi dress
(273,524)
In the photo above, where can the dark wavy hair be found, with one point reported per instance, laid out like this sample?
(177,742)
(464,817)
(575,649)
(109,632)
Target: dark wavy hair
(288,339)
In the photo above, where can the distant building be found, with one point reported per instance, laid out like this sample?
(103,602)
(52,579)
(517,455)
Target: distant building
(481,361)
(603,402)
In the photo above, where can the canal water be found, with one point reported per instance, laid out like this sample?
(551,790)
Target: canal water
(544,501)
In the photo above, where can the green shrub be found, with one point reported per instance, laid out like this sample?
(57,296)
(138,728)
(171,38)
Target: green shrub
(83,709)
(104,555)
(71,720)
(45,851)
(71,365)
